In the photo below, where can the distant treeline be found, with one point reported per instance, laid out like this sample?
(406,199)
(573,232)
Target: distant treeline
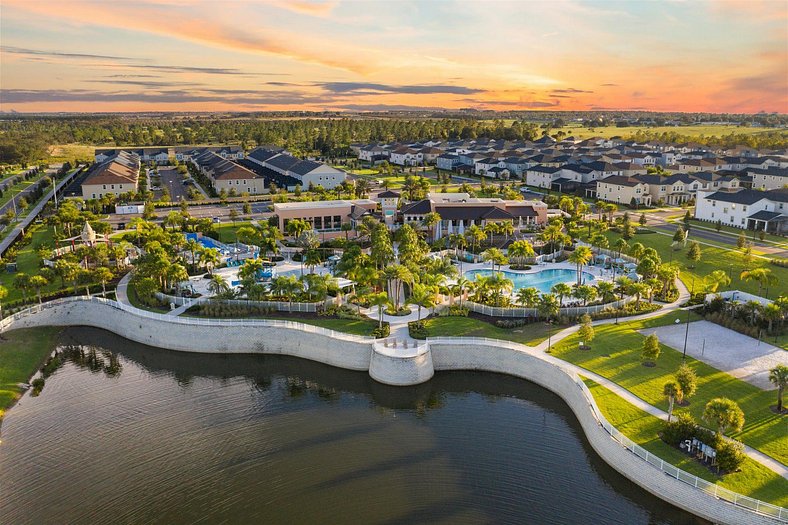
(25,139)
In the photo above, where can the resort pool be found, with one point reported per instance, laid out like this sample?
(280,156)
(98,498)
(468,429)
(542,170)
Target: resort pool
(542,280)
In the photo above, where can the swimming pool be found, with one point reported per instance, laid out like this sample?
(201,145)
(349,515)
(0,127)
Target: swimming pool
(542,280)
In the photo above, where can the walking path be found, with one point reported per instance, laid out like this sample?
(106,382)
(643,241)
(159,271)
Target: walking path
(399,330)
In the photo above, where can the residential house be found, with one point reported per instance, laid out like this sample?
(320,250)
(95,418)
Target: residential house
(623,190)
(750,209)
(117,174)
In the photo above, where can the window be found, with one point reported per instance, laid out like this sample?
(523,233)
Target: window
(744,208)
(104,187)
(725,210)
(318,223)
(712,215)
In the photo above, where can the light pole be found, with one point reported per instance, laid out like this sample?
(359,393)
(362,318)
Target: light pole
(686,332)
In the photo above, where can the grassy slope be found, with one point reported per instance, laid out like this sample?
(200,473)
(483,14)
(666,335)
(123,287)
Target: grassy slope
(349,326)
(21,353)
(615,355)
(753,480)
(711,259)
(531,334)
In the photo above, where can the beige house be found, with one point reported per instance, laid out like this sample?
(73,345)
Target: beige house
(118,174)
(229,176)
(623,190)
(325,217)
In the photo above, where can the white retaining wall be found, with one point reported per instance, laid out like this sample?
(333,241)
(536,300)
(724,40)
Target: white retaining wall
(501,357)
(215,336)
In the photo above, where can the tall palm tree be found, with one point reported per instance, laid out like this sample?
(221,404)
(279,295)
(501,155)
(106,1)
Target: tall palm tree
(421,296)
(520,251)
(495,257)
(771,312)
(193,247)
(763,276)
(779,378)
(548,306)
(606,290)
(461,286)
(580,257)
(381,300)
(397,275)
(210,258)
(217,285)
(585,293)
(561,290)
(499,284)
(715,280)
(671,390)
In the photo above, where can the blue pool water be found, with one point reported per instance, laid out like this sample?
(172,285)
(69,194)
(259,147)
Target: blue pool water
(207,242)
(542,280)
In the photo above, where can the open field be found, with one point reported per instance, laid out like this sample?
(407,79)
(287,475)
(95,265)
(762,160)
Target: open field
(752,480)
(615,355)
(581,132)
(70,152)
(22,352)
(729,260)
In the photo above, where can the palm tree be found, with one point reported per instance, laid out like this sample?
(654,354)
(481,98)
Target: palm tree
(381,300)
(581,256)
(605,290)
(499,284)
(585,293)
(506,228)
(561,290)
(491,228)
(763,276)
(715,280)
(621,245)
(527,297)
(38,282)
(295,227)
(671,390)
(193,247)
(779,378)
(176,273)
(495,257)
(311,258)
(397,275)
(636,250)
(22,283)
(461,286)
(210,258)
(217,285)
(548,306)
(475,235)
(724,414)
(429,222)
(553,235)
(520,251)
(421,296)
(771,312)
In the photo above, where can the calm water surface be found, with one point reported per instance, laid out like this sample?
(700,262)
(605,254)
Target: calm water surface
(170,438)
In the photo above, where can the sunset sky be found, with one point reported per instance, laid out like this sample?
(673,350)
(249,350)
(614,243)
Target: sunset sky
(175,55)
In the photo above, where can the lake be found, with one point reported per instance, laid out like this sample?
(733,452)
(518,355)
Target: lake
(143,435)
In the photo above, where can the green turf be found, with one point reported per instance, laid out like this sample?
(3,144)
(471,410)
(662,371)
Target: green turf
(615,355)
(227,230)
(349,326)
(530,334)
(22,352)
(712,258)
(754,479)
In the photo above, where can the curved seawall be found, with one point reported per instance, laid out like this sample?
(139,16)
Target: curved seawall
(403,366)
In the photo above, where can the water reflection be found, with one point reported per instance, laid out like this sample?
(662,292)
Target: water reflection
(129,433)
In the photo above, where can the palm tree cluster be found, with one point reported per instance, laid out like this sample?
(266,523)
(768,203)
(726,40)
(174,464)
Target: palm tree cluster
(751,318)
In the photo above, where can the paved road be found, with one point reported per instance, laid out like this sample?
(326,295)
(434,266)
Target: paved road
(24,193)
(719,237)
(11,237)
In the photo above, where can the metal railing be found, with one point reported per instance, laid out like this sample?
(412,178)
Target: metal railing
(755,505)
(194,321)
(279,306)
(498,311)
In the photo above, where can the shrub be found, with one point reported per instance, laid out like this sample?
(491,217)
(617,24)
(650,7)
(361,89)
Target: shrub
(586,331)
(417,329)
(682,427)
(38,385)
(457,311)
(511,323)
(651,349)
(383,331)
(730,454)
(779,261)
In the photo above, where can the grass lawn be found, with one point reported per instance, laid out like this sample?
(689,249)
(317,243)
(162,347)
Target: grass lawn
(28,262)
(711,259)
(530,334)
(348,326)
(615,355)
(227,230)
(735,232)
(752,480)
(22,352)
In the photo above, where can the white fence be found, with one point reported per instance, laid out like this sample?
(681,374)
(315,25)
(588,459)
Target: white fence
(279,306)
(180,319)
(722,493)
(571,311)
(605,251)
